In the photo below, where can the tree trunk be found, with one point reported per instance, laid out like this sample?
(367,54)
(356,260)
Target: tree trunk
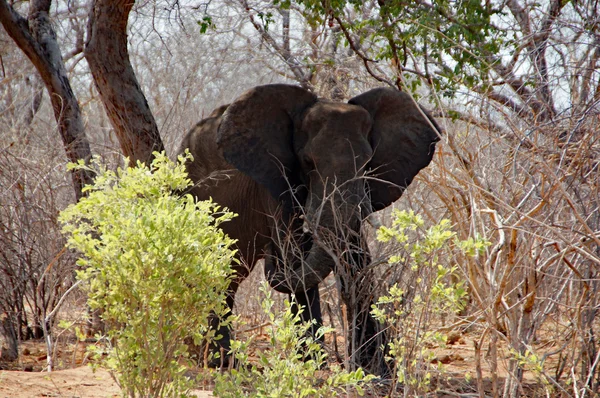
(37,39)
(7,330)
(125,103)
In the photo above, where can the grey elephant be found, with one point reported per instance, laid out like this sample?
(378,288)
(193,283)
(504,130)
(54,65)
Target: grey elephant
(303,173)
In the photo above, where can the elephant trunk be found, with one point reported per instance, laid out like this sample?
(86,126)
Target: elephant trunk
(299,277)
(330,225)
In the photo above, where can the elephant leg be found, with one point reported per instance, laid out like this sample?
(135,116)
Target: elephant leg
(366,334)
(222,346)
(310,300)
(367,338)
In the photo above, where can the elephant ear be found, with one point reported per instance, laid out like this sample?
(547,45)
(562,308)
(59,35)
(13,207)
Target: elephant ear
(256,134)
(403,138)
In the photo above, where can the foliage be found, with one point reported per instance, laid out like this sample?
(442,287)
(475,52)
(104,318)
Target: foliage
(448,41)
(156,264)
(508,58)
(439,292)
(291,367)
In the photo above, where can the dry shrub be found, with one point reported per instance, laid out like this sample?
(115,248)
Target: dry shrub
(35,269)
(534,194)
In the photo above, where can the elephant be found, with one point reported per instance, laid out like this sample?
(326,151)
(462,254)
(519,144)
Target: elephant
(302,173)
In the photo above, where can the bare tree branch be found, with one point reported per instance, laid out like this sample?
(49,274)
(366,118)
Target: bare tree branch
(37,39)
(281,51)
(362,56)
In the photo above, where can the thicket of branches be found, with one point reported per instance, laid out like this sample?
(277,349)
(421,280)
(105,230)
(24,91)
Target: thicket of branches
(518,88)
(515,84)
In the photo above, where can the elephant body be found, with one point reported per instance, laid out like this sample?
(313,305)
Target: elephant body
(215,178)
(302,173)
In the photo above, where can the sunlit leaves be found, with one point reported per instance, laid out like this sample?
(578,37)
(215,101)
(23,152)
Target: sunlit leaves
(156,264)
(290,368)
(411,313)
(447,42)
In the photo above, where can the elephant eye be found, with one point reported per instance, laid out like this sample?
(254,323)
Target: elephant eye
(307,159)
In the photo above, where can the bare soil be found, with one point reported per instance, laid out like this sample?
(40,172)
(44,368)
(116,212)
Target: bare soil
(77,382)
(81,381)
(28,377)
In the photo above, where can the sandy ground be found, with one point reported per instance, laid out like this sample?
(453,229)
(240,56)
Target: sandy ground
(79,382)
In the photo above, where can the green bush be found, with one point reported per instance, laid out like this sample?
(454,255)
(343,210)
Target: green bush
(436,290)
(290,367)
(155,263)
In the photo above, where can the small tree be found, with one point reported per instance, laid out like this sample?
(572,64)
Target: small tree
(156,264)
(291,367)
(412,310)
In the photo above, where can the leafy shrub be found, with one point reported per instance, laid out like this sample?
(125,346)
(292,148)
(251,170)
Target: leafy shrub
(413,313)
(155,263)
(290,368)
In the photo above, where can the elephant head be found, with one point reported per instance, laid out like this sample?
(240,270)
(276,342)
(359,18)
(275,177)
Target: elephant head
(361,155)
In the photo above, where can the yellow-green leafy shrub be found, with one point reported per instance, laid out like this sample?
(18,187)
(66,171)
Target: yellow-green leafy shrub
(434,289)
(155,263)
(291,367)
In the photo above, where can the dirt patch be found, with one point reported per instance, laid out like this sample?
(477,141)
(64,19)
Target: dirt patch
(26,376)
(78,382)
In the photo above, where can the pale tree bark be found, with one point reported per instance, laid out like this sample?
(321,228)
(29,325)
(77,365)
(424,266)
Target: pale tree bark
(37,39)
(125,103)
